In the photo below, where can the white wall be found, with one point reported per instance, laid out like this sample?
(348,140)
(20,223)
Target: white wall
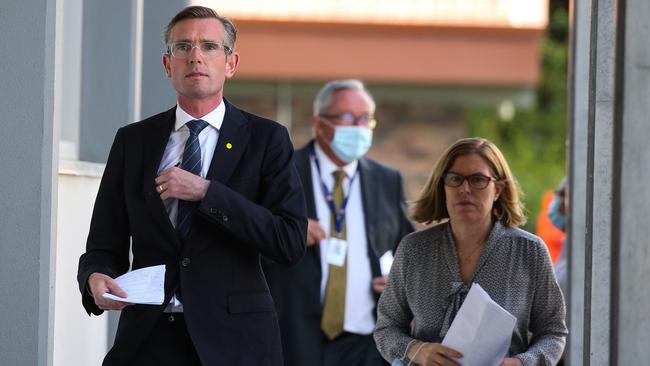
(78,338)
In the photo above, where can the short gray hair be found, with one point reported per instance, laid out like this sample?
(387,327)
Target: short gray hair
(323,99)
(202,12)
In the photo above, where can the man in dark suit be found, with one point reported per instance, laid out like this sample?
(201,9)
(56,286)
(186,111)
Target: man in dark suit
(356,210)
(205,189)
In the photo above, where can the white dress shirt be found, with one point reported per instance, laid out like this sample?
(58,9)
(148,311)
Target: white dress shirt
(173,156)
(359,300)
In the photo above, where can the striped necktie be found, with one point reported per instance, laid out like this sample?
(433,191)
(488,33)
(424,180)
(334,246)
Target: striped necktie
(191,163)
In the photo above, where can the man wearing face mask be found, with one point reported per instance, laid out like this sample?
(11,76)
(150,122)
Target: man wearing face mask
(357,214)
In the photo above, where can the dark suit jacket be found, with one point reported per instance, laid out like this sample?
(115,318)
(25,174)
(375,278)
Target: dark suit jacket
(296,290)
(254,205)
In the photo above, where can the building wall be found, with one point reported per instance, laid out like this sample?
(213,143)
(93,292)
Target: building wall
(79,339)
(28,186)
(426,55)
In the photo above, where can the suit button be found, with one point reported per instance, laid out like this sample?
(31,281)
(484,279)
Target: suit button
(171,319)
(185,262)
(224,218)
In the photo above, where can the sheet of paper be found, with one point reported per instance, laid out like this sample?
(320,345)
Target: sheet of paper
(385,262)
(143,286)
(481,330)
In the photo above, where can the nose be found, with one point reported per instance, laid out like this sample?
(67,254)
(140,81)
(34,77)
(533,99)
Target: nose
(465,187)
(195,55)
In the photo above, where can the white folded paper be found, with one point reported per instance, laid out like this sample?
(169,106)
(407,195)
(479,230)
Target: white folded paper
(385,262)
(481,330)
(143,286)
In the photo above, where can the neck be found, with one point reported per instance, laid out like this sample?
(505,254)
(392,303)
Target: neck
(198,108)
(469,235)
(330,154)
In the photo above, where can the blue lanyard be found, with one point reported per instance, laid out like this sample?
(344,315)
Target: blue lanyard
(329,198)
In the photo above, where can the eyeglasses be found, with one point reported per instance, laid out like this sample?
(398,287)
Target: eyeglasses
(351,119)
(183,49)
(476,181)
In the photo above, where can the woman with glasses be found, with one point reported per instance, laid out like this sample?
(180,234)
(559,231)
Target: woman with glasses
(475,200)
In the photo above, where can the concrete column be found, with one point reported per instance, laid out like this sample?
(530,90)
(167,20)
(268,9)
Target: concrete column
(157,92)
(67,87)
(614,238)
(106,76)
(577,176)
(630,285)
(27,39)
(600,164)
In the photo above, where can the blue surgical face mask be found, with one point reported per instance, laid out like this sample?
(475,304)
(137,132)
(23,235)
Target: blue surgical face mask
(557,218)
(351,142)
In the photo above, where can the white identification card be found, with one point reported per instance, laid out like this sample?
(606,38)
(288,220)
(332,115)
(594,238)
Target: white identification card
(336,249)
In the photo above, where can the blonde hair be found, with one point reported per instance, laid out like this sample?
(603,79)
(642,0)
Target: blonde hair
(432,205)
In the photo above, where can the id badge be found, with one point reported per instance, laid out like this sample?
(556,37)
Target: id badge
(336,249)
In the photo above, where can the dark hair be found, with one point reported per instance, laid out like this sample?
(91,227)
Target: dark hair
(202,12)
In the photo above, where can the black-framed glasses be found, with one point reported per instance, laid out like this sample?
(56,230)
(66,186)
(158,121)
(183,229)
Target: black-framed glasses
(350,119)
(183,49)
(476,181)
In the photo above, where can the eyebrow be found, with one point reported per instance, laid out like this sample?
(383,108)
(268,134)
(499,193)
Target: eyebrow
(200,40)
(475,173)
(469,175)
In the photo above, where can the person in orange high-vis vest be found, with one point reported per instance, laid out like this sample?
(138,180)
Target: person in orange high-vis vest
(552,236)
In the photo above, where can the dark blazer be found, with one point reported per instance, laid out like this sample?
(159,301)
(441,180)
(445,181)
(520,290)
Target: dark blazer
(254,206)
(296,290)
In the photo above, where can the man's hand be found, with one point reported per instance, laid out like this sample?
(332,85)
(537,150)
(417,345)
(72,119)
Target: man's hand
(177,183)
(315,232)
(99,284)
(379,283)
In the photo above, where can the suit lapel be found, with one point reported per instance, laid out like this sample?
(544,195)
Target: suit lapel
(155,143)
(233,138)
(369,194)
(303,164)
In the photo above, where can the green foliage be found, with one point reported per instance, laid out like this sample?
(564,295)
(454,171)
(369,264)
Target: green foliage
(533,142)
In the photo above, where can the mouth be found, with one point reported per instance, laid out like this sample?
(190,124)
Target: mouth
(196,74)
(465,203)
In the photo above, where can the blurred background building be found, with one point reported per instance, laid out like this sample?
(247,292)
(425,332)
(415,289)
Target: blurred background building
(426,63)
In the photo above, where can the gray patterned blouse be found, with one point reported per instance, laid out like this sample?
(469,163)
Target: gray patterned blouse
(424,291)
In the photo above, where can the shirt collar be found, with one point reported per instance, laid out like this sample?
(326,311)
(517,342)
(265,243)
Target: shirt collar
(214,118)
(327,166)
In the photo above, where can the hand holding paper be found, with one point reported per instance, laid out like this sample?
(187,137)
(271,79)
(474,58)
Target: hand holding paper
(481,330)
(143,286)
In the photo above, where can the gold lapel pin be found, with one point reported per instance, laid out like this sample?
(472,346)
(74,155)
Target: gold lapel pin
(228,145)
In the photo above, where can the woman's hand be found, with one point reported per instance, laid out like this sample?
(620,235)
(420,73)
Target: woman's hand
(429,354)
(511,361)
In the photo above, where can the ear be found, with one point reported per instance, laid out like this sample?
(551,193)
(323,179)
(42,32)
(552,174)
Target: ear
(167,65)
(498,188)
(315,122)
(231,64)
(320,129)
